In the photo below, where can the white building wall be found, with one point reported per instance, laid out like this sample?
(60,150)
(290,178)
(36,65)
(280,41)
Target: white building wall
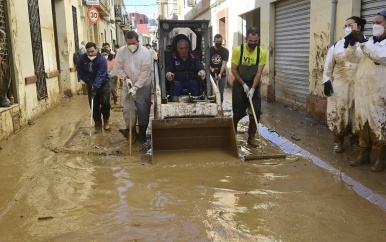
(30,106)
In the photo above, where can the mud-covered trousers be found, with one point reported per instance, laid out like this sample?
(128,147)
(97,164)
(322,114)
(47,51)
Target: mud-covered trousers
(142,102)
(240,103)
(101,102)
(368,139)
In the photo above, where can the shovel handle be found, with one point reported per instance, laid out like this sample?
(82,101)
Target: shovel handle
(91,113)
(130,124)
(254,115)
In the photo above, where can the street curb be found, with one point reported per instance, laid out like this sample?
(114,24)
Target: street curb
(291,148)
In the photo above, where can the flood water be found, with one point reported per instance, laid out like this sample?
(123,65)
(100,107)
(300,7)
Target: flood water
(58,183)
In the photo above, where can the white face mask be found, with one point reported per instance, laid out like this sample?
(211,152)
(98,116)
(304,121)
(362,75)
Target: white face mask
(91,57)
(347,31)
(132,48)
(106,56)
(378,30)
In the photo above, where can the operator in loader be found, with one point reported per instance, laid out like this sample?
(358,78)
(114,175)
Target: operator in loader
(248,61)
(133,64)
(182,67)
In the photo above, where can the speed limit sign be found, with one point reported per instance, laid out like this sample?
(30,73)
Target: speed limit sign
(93,15)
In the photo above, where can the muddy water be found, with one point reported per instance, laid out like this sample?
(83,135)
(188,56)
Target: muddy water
(60,184)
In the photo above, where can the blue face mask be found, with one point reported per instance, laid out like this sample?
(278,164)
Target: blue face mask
(252,46)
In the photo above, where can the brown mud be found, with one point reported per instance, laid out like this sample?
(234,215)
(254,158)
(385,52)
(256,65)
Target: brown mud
(58,183)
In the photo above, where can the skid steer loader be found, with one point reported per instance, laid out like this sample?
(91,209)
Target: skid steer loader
(188,122)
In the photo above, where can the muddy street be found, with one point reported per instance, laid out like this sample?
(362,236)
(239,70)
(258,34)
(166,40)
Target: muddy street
(58,183)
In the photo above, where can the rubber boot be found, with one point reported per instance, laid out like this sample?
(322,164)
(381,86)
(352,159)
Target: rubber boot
(106,124)
(142,134)
(98,126)
(380,162)
(364,157)
(252,132)
(236,122)
(354,141)
(338,143)
(126,134)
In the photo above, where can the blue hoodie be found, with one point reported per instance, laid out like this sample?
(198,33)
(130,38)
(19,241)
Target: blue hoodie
(97,75)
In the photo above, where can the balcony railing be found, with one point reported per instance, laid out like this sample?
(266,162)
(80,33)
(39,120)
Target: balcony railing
(118,13)
(103,7)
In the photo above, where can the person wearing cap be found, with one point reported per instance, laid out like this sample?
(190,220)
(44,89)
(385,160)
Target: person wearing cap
(370,92)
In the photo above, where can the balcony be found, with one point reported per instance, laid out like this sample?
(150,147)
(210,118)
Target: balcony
(118,14)
(103,7)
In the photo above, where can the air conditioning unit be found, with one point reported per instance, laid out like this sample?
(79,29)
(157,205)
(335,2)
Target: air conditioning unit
(191,3)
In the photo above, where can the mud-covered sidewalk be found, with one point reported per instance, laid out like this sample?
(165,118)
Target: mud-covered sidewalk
(58,183)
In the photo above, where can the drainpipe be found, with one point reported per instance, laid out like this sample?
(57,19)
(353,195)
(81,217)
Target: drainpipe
(333,22)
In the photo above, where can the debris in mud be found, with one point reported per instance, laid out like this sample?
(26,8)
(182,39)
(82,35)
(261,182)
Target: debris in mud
(30,122)
(264,156)
(289,132)
(271,129)
(45,218)
(295,138)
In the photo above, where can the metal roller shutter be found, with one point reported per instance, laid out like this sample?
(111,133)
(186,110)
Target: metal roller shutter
(368,10)
(292,48)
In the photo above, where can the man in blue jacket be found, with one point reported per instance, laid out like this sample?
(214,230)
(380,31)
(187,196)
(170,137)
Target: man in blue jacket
(92,69)
(183,67)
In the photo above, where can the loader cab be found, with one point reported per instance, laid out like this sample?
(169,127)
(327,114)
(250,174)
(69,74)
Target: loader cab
(197,34)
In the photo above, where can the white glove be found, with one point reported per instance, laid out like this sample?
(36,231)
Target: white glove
(201,74)
(246,88)
(129,83)
(133,91)
(251,92)
(169,76)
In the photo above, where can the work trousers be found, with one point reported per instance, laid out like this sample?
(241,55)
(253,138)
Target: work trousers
(101,102)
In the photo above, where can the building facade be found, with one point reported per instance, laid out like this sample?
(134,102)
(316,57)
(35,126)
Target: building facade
(37,68)
(296,35)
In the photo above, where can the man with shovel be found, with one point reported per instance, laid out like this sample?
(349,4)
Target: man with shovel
(133,64)
(92,69)
(218,63)
(248,61)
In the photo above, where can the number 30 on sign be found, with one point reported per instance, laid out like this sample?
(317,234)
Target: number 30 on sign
(93,15)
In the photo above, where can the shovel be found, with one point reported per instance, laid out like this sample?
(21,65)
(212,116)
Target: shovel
(261,156)
(130,122)
(92,110)
(254,115)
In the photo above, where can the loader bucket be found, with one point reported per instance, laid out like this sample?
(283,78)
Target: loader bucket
(177,134)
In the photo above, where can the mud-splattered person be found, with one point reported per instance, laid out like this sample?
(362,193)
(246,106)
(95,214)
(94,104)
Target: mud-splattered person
(370,92)
(338,75)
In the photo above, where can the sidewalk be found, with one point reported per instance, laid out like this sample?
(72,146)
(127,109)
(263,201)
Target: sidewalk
(316,139)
